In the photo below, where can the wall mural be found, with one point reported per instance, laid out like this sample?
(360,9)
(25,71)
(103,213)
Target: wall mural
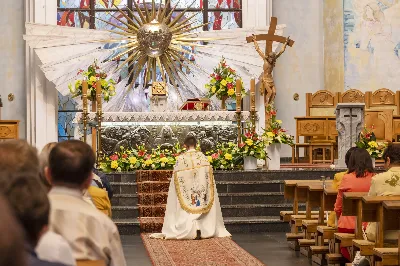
(372,44)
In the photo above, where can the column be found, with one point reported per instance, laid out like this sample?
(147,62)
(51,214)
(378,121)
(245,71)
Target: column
(41,94)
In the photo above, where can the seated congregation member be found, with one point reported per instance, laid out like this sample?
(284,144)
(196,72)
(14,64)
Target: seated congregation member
(105,184)
(18,153)
(336,183)
(193,209)
(358,179)
(28,199)
(386,184)
(45,248)
(93,195)
(12,250)
(91,234)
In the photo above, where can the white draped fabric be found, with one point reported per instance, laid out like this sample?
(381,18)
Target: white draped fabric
(193,202)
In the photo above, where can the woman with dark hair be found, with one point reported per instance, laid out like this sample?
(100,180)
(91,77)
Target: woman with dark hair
(358,179)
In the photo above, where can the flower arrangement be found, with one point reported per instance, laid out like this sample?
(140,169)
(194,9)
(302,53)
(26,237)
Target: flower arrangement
(225,157)
(139,159)
(222,82)
(367,140)
(92,75)
(273,132)
(252,145)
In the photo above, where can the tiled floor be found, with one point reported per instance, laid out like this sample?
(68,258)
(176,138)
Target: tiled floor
(270,248)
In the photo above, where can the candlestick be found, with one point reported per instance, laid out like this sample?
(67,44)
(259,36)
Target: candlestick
(85,108)
(99,118)
(253,95)
(238,95)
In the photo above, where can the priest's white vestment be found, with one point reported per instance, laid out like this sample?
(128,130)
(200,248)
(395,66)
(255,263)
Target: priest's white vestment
(193,202)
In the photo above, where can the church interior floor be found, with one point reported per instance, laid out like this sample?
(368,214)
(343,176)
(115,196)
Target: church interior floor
(270,248)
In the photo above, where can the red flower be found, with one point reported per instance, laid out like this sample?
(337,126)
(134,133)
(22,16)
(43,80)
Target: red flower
(218,77)
(241,145)
(283,130)
(141,153)
(176,154)
(229,85)
(368,136)
(114,157)
(215,156)
(248,135)
(124,155)
(273,112)
(162,155)
(275,131)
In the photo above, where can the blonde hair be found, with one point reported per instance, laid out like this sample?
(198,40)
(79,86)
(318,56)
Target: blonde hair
(44,162)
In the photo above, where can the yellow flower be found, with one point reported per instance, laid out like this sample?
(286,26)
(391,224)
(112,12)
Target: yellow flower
(249,142)
(93,79)
(210,159)
(231,92)
(224,82)
(228,156)
(148,162)
(103,83)
(114,164)
(270,134)
(279,121)
(132,160)
(213,89)
(373,144)
(164,160)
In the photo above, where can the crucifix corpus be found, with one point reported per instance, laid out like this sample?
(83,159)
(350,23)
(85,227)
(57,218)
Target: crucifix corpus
(267,88)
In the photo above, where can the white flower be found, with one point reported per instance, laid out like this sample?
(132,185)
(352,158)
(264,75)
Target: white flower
(131,166)
(332,166)
(119,169)
(162,164)
(232,165)
(153,166)
(222,167)
(143,166)
(252,153)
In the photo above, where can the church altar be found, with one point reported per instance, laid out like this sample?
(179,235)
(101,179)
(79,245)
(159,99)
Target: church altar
(164,129)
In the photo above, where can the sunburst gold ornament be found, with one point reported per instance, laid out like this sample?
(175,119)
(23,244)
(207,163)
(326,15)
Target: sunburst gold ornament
(153,39)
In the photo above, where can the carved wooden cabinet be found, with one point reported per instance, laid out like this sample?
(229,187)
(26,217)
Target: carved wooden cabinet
(9,129)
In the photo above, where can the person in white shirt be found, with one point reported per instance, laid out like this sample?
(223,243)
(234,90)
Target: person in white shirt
(90,233)
(52,247)
(193,209)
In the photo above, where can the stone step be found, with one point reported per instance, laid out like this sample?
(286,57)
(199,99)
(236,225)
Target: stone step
(224,198)
(239,210)
(258,175)
(222,187)
(232,224)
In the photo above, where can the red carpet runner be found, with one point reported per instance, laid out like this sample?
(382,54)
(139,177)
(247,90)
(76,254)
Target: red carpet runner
(152,192)
(214,251)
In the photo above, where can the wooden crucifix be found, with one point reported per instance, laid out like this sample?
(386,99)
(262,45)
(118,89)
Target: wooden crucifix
(267,81)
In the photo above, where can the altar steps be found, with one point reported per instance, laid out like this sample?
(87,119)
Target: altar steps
(250,201)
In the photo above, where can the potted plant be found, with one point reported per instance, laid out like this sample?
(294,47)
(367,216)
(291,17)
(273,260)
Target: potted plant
(367,140)
(274,135)
(225,157)
(222,83)
(252,148)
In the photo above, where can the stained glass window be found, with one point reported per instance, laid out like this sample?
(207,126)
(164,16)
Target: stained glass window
(207,14)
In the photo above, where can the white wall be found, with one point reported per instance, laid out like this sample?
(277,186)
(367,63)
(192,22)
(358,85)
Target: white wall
(301,68)
(12,62)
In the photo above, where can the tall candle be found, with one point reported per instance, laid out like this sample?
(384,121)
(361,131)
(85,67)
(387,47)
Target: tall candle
(98,95)
(238,95)
(253,94)
(84,95)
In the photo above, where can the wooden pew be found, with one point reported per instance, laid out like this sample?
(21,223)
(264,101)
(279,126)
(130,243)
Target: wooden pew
(389,256)
(373,211)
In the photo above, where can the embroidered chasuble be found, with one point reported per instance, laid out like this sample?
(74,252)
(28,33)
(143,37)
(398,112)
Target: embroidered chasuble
(193,202)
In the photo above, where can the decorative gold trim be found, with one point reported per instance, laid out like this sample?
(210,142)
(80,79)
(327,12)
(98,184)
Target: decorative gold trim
(182,202)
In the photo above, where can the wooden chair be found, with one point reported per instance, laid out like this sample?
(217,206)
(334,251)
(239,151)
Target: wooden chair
(383,99)
(382,123)
(321,103)
(352,96)
(90,263)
